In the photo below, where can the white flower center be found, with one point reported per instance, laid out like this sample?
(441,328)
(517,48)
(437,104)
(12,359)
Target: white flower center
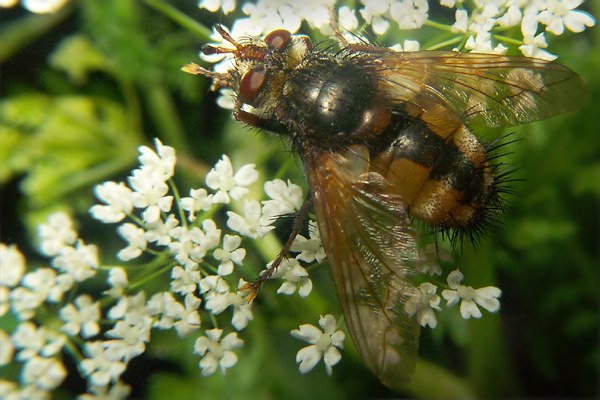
(323,342)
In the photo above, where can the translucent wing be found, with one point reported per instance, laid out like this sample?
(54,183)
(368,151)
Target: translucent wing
(372,252)
(482,89)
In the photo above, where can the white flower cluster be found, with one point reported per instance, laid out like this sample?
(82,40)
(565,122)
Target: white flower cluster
(478,27)
(489,16)
(325,344)
(426,301)
(36,6)
(172,237)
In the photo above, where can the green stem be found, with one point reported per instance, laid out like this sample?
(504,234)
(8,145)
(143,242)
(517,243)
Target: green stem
(188,23)
(438,25)
(446,43)
(134,109)
(507,39)
(151,276)
(165,116)
(177,198)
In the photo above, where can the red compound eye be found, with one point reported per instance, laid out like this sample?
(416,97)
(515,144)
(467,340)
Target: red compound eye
(278,39)
(251,84)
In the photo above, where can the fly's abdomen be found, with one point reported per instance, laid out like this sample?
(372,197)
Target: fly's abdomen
(442,175)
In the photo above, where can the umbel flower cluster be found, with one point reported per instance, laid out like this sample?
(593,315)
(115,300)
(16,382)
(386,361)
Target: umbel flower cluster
(480,26)
(167,236)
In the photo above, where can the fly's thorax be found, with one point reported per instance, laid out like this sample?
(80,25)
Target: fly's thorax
(331,102)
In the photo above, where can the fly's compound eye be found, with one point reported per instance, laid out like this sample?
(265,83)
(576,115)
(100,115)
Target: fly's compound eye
(251,84)
(278,39)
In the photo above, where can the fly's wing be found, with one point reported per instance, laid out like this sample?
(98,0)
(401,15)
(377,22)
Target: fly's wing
(372,251)
(482,89)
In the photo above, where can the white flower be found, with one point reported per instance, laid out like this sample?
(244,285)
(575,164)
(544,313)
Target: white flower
(82,317)
(56,234)
(162,161)
(137,241)
(266,15)
(249,224)
(410,14)
(511,17)
(226,99)
(213,285)
(46,284)
(310,249)
(373,12)
(4,300)
(163,308)
(533,44)
(45,373)
(169,313)
(215,290)
(462,20)
(482,43)
(347,19)
(316,13)
(218,298)
(12,265)
(7,349)
(226,6)
(23,302)
(229,254)
(43,6)
(190,245)
(423,305)
(533,47)
(324,344)
(228,184)
(242,309)
(129,307)
(408,45)
(448,3)
(131,335)
(486,297)
(10,391)
(429,255)
(295,278)
(559,14)
(199,200)
(188,319)
(150,192)
(33,341)
(286,198)
(158,232)
(117,198)
(99,365)
(217,352)
(117,279)
(184,281)
(118,391)
(80,261)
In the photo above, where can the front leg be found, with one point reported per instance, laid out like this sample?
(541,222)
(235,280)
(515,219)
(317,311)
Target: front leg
(253,287)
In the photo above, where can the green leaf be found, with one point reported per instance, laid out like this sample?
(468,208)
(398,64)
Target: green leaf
(62,144)
(77,56)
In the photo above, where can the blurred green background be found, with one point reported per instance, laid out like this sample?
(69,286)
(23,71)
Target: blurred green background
(82,88)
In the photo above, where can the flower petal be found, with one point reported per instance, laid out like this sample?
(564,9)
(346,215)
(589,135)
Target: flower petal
(308,357)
